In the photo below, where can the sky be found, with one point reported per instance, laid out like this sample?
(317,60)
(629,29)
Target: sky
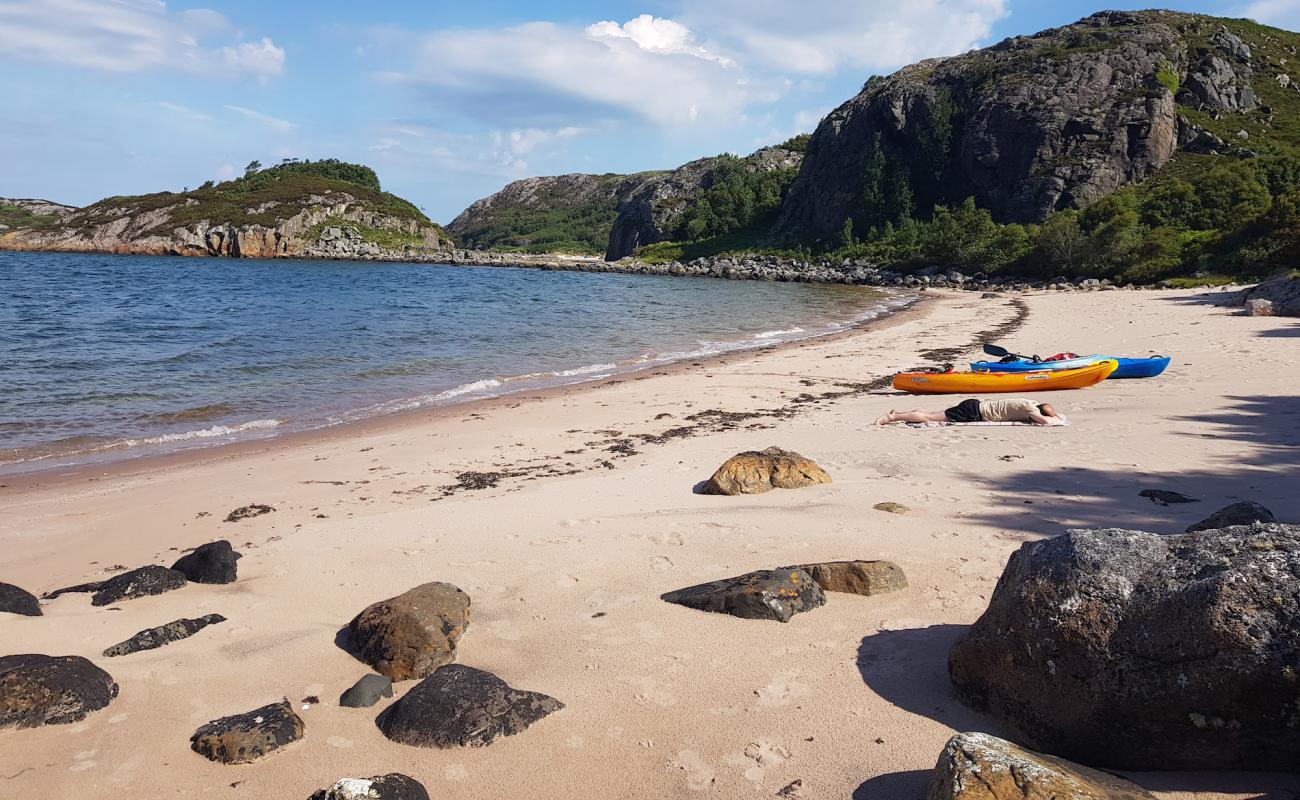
(449,101)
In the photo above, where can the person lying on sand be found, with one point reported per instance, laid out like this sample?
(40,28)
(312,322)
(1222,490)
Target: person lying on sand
(1014,410)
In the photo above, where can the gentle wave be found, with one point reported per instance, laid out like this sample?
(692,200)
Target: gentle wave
(83,445)
(776,334)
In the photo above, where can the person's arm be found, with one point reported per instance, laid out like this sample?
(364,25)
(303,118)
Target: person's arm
(1039,419)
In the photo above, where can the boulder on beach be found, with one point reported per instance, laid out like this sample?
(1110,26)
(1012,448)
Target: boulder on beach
(459,706)
(1164,497)
(243,738)
(393,786)
(38,690)
(214,562)
(366,692)
(1243,513)
(15,600)
(153,638)
(766,594)
(977,766)
(856,577)
(141,582)
(412,634)
(755,472)
(1132,650)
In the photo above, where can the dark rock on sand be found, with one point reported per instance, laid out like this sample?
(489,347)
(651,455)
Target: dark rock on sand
(1243,513)
(214,562)
(1138,651)
(366,692)
(755,472)
(393,786)
(242,738)
(892,508)
(163,634)
(38,690)
(767,594)
(140,582)
(411,635)
(856,577)
(460,706)
(1162,497)
(248,512)
(976,766)
(14,600)
(80,588)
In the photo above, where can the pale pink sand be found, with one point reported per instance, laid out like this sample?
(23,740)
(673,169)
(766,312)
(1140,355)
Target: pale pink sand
(662,701)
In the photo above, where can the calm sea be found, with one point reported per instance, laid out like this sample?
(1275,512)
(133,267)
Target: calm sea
(105,357)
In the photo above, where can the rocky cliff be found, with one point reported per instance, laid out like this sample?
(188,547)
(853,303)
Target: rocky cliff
(1032,125)
(265,215)
(17,212)
(654,208)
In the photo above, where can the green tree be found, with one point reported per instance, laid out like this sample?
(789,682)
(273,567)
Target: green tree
(253,166)
(1064,245)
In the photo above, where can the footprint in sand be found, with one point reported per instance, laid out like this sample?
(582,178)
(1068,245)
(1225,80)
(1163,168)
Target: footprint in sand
(553,540)
(566,581)
(505,630)
(339,742)
(675,539)
(757,758)
(455,772)
(699,775)
(651,693)
(661,564)
(782,690)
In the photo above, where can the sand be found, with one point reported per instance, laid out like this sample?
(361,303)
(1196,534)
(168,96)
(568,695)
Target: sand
(566,556)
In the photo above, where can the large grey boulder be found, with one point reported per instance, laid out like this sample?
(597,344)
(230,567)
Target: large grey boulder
(1281,294)
(214,562)
(1246,512)
(16,600)
(1133,650)
(38,690)
(459,706)
(977,766)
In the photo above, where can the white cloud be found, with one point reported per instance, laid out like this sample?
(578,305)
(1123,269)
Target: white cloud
(499,153)
(545,75)
(185,112)
(274,123)
(823,36)
(128,36)
(1279,13)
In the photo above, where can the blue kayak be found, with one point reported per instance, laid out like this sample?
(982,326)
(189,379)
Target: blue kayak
(1128,367)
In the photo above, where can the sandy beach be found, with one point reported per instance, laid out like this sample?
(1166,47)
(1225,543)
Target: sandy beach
(566,514)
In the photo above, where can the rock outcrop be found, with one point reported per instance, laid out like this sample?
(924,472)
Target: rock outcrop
(244,738)
(135,583)
(412,634)
(1133,650)
(38,690)
(152,638)
(776,594)
(1032,125)
(214,562)
(16,600)
(1281,294)
(755,472)
(856,577)
(366,692)
(393,786)
(1243,513)
(459,706)
(977,766)
(650,210)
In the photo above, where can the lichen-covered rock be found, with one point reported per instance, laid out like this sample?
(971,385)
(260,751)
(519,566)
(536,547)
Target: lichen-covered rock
(393,786)
(976,766)
(242,738)
(1246,512)
(141,582)
(1029,126)
(366,692)
(38,690)
(412,634)
(1133,650)
(1279,297)
(459,706)
(153,638)
(856,577)
(891,507)
(776,594)
(214,562)
(15,600)
(754,472)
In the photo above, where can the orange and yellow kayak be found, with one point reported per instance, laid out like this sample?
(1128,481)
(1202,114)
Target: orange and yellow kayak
(986,382)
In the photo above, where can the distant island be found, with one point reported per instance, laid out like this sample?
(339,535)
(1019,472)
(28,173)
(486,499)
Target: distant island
(1133,147)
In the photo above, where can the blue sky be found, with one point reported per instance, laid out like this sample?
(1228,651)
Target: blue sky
(450,101)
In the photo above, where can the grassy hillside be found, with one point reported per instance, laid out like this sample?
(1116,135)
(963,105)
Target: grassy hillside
(261,197)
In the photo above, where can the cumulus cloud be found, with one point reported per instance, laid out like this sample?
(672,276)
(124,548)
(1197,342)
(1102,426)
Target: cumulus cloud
(545,75)
(501,153)
(129,36)
(1279,13)
(823,36)
(274,123)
